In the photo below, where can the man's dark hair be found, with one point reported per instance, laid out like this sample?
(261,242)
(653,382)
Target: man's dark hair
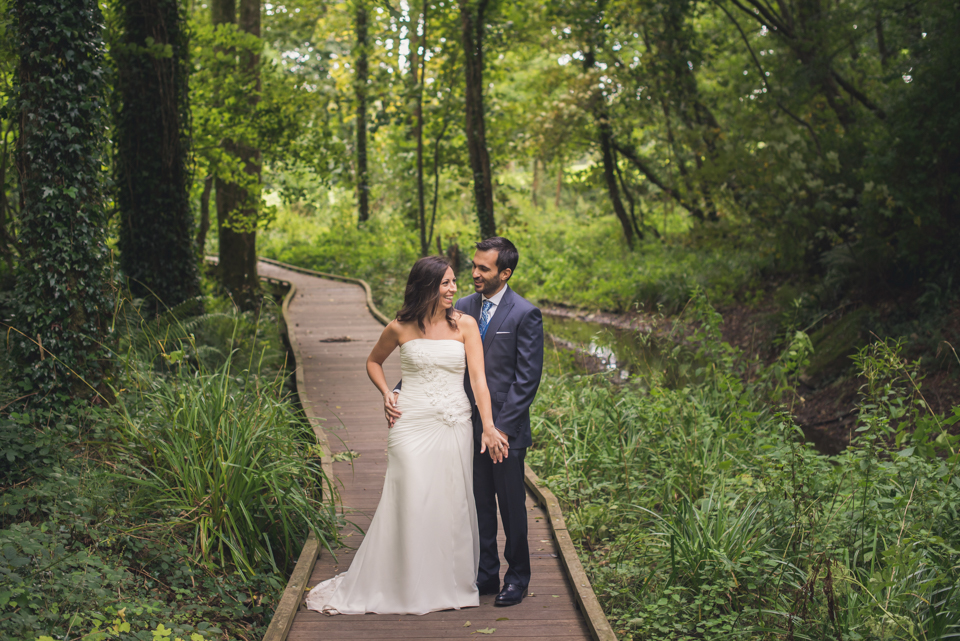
(507,254)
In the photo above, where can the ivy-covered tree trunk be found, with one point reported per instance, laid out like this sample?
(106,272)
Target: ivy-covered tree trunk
(360,89)
(472,29)
(63,297)
(238,202)
(156,244)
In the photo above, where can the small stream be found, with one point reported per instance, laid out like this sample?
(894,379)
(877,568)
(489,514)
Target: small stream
(588,347)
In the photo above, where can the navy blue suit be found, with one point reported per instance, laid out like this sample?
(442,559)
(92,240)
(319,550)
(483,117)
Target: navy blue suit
(513,360)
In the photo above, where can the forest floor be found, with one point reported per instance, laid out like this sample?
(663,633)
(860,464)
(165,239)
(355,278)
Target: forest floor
(823,406)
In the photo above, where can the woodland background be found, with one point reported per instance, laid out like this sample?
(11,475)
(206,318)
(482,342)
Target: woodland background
(768,191)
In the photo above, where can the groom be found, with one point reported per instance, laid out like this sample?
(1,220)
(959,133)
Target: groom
(512,332)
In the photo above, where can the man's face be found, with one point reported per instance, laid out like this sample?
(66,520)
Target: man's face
(486,279)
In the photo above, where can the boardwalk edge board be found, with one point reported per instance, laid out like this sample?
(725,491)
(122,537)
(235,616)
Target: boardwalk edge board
(282,621)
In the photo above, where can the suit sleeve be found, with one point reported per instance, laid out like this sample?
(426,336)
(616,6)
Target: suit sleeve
(528,372)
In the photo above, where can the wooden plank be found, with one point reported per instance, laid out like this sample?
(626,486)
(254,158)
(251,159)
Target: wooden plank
(286,611)
(366,288)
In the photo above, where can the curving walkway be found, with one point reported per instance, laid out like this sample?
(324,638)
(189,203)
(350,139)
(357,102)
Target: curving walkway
(333,332)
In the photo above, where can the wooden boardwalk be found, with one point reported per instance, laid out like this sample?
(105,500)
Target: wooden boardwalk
(334,332)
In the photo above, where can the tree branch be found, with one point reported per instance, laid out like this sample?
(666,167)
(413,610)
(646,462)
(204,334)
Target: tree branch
(766,83)
(861,97)
(639,163)
(767,17)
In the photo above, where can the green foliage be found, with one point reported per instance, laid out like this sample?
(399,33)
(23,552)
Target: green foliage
(701,514)
(382,253)
(584,263)
(151,151)
(93,545)
(62,299)
(229,467)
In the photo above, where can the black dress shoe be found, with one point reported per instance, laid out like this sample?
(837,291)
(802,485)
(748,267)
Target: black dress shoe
(510,595)
(489,587)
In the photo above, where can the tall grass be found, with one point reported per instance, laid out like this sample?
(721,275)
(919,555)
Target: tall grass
(220,452)
(702,514)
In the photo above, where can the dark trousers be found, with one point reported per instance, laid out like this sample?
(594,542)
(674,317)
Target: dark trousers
(502,483)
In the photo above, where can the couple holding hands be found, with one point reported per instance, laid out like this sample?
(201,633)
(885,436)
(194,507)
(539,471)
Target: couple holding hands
(459,429)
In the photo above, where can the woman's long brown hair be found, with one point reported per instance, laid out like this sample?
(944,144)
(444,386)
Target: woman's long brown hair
(422,294)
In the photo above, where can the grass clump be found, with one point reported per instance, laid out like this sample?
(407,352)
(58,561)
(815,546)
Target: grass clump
(702,514)
(235,472)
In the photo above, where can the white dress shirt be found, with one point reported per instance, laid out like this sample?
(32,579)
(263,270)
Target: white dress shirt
(495,299)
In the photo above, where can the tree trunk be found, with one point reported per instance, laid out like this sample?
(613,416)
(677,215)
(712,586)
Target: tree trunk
(204,226)
(556,201)
(7,238)
(536,181)
(152,140)
(237,205)
(605,138)
(63,299)
(610,177)
(472,24)
(421,202)
(436,176)
(360,89)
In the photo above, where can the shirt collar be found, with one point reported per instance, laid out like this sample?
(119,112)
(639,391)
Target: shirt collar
(496,298)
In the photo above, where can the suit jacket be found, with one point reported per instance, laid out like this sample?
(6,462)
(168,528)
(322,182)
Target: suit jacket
(513,359)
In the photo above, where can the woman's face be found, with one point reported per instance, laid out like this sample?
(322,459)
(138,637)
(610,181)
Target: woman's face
(448,287)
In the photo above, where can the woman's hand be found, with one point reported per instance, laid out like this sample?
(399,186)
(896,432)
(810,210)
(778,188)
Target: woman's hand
(390,409)
(495,442)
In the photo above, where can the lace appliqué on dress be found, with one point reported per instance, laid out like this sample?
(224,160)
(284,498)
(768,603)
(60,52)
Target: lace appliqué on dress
(439,394)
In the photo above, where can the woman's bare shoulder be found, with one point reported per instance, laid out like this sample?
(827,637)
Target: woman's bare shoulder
(394,329)
(467,319)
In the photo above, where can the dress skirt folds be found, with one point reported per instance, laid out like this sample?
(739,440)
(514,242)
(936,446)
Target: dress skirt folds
(421,551)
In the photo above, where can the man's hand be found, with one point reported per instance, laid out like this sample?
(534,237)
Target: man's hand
(496,443)
(390,409)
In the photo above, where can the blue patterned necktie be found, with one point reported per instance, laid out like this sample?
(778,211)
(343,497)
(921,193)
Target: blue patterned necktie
(485,318)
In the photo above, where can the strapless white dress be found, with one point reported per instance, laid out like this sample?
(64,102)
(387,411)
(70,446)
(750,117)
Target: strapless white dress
(421,551)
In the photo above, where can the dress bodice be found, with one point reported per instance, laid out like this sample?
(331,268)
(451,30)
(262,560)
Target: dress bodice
(433,378)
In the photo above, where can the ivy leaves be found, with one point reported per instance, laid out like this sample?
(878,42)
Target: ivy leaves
(63,299)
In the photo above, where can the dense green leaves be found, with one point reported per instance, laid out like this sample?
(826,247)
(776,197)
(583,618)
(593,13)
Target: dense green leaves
(63,297)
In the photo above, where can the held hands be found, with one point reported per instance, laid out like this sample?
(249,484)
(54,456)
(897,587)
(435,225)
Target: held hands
(390,409)
(494,441)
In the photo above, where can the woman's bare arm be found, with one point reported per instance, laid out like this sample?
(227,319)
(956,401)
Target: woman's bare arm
(492,439)
(388,341)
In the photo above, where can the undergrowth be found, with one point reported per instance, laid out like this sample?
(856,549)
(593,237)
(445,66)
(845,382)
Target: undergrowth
(176,512)
(701,513)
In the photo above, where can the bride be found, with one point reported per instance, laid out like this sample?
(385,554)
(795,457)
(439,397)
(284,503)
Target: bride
(421,551)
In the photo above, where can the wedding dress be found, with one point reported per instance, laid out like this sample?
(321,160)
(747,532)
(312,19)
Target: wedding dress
(421,551)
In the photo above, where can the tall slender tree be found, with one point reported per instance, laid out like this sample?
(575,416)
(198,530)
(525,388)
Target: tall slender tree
(361,80)
(421,202)
(156,247)
(238,197)
(473,16)
(63,299)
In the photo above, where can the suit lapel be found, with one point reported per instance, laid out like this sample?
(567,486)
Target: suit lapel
(499,314)
(472,306)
